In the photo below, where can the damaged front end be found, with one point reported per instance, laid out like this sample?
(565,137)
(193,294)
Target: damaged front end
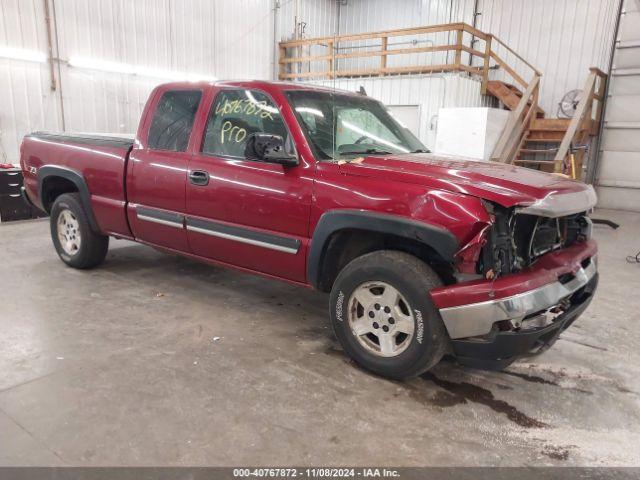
(516,240)
(532,276)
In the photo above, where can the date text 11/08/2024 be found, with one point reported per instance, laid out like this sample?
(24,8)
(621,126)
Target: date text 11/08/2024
(365,472)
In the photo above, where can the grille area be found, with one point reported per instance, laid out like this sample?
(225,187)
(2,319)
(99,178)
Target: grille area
(516,240)
(534,236)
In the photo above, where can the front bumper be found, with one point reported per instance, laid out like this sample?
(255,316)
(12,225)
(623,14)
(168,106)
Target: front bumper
(518,314)
(499,349)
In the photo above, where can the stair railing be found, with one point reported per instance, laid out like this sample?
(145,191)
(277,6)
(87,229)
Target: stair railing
(338,56)
(324,58)
(586,119)
(511,71)
(519,121)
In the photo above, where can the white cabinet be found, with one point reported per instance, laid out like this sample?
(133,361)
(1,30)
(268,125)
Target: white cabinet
(469,132)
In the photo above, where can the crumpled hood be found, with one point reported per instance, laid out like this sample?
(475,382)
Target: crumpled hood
(506,185)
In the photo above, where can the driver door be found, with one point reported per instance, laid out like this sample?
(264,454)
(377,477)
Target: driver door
(244,212)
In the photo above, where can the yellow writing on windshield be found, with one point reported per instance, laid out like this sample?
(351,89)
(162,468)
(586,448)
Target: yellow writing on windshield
(232,133)
(245,106)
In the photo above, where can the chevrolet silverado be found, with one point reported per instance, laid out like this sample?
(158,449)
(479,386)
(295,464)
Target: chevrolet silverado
(422,255)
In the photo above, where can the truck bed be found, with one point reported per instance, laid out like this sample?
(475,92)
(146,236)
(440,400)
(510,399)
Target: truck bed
(117,140)
(98,159)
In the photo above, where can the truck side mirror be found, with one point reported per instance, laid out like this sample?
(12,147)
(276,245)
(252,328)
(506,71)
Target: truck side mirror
(269,148)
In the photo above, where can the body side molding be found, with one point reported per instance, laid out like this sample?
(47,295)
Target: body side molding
(438,238)
(244,235)
(163,217)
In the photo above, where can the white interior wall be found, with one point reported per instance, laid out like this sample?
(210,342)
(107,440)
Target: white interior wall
(359,16)
(235,39)
(222,39)
(315,18)
(562,39)
(618,177)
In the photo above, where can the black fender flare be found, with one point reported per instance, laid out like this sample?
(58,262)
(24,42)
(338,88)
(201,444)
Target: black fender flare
(74,177)
(439,239)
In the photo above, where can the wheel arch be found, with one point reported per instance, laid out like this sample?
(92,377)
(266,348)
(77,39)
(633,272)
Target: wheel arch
(54,181)
(350,233)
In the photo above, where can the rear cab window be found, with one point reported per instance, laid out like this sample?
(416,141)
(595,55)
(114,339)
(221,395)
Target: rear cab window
(235,115)
(173,120)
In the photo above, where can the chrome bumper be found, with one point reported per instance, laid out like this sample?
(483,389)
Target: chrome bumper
(477,319)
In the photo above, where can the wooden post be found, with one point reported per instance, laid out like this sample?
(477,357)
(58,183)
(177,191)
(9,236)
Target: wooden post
(514,127)
(282,66)
(576,121)
(383,57)
(330,61)
(47,20)
(602,81)
(485,66)
(460,32)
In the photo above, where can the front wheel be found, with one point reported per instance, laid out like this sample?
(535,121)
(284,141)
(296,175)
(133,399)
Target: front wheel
(77,245)
(383,315)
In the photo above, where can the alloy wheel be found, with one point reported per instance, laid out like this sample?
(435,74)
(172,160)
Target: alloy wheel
(381,319)
(69,232)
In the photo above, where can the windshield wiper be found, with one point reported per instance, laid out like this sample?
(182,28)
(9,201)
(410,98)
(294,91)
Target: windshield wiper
(420,151)
(369,151)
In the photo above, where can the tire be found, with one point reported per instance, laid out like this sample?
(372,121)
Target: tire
(75,242)
(397,284)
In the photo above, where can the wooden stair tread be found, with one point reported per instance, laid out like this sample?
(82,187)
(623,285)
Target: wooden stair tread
(530,160)
(508,94)
(544,140)
(556,124)
(545,133)
(542,130)
(534,150)
(503,93)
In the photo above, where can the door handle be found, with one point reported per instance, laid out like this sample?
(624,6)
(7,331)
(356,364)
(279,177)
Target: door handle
(199,177)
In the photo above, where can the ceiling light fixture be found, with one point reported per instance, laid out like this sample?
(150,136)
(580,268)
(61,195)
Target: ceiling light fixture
(128,69)
(22,54)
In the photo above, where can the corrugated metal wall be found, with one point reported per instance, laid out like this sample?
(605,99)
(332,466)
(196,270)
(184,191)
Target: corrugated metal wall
(222,39)
(25,97)
(359,16)
(315,18)
(235,39)
(561,38)
(307,19)
(619,173)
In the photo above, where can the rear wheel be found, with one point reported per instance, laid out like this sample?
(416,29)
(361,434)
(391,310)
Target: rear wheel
(383,316)
(76,244)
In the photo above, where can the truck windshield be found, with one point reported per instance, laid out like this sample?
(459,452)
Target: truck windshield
(339,125)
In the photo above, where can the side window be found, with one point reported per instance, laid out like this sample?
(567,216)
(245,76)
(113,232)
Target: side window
(236,114)
(173,119)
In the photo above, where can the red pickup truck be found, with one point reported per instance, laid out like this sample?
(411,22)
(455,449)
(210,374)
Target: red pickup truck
(422,255)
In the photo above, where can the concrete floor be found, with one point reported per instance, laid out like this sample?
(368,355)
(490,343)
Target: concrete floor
(157,360)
